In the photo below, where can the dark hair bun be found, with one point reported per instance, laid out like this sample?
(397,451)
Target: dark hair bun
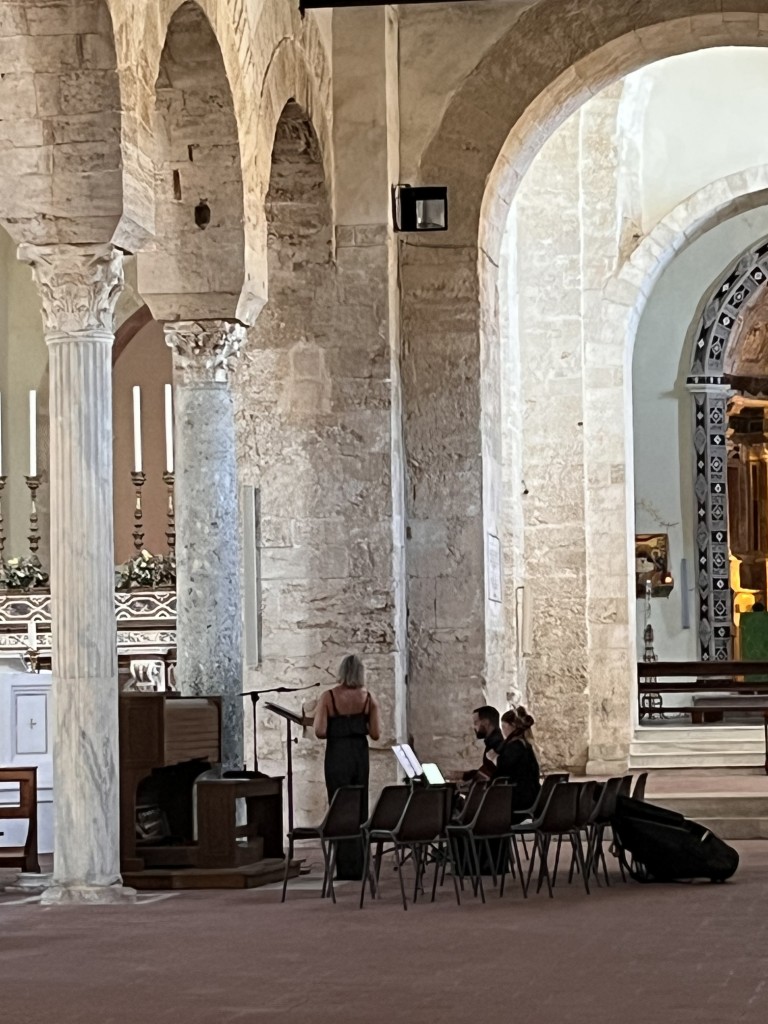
(524,717)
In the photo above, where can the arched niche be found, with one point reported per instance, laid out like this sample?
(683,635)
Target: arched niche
(737,290)
(196,267)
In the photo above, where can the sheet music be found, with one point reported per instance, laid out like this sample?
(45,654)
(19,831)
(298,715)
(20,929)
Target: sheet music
(405,763)
(292,716)
(414,762)
(408,760)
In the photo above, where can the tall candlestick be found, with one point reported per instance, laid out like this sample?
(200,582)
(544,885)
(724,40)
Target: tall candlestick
(33,433)
(137,429)
(168,429)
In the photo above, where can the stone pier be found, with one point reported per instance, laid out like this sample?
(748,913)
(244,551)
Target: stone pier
(78,287)
(209,602)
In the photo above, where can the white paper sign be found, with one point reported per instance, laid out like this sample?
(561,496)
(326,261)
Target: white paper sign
(494,569)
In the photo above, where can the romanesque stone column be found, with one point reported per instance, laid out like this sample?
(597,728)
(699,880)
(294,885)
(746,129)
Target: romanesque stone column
(209,615)
(79,286)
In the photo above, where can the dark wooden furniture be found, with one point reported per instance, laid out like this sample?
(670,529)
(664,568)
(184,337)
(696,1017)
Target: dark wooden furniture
(740,681)
(24,857)
(166,742)
(222,842)
(717,687)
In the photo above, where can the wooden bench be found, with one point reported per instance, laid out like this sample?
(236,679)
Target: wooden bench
(24,857)
(723,679)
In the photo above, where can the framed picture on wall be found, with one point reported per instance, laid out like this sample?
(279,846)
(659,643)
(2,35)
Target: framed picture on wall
(652,564)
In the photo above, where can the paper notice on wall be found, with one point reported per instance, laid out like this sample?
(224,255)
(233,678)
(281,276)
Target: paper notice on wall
(494,569)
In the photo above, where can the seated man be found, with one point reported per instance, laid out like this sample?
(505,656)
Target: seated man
(485,721)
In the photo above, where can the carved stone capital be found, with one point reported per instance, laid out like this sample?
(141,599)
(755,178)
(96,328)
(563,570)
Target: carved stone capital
(204,351)
(79,286)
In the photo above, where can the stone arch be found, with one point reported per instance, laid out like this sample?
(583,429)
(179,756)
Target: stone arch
(196,267)
(553,58)
(538,74)
(257,83)
(739,286)
(60,156)
(624,299)
(289,80)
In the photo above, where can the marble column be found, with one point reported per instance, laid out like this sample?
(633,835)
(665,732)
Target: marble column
(78,287)
(208,586)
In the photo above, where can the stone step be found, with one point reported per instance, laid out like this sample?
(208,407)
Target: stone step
(713,805)
(685,746)
(713,746)
(640,761)
(730,816)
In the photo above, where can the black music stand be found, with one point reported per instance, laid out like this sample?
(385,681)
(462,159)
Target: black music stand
(254,695)
(291,718)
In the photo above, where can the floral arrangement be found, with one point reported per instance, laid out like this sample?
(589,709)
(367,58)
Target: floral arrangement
(146,570)
(23,574)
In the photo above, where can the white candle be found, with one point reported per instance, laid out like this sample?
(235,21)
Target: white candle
(33,433)
(32,634)
(137,429)
(168,428)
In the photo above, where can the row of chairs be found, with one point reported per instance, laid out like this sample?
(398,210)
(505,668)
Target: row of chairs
(415,824)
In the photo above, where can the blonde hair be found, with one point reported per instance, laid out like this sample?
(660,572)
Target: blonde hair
(351,672)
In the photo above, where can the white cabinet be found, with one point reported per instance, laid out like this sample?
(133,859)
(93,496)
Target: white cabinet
(25,740)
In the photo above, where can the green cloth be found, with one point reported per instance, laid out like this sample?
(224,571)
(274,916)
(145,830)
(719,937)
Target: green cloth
(754,640)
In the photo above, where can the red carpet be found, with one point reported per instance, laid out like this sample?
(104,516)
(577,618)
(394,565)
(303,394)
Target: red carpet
(679,954)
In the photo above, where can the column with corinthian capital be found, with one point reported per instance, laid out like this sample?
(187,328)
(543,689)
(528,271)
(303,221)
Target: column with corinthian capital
(78,287)
(209,615)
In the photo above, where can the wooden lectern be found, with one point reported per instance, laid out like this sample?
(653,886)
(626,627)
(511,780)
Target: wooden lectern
(167,743)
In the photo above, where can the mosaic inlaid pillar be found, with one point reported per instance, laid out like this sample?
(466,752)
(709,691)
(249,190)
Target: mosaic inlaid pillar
(78,287)
(710,412)
(209,601)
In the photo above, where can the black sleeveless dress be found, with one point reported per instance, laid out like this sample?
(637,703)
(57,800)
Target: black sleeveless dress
(346,764)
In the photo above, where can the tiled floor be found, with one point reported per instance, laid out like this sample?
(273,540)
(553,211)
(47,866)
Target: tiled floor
(639,954)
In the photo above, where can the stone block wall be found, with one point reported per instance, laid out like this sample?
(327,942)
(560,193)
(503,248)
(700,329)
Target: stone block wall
(60,122)
(441,412)
(313,418)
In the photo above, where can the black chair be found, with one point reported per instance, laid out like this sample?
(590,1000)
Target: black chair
(589,794)
(558,819)
(551,780)
(385,817)
(600,820)
(422,827)
(342,822)
(491,826)
(638,793)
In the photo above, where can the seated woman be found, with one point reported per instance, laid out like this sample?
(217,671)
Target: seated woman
(516,758)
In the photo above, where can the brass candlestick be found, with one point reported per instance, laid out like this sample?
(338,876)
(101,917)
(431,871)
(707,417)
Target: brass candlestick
(33,657)
(2,531)
(33,482)
(139,479)
(170,531)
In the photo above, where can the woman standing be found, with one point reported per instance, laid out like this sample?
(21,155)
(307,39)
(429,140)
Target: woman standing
(346,716)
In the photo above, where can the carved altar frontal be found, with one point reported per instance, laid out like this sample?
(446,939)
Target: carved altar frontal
(146,620)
